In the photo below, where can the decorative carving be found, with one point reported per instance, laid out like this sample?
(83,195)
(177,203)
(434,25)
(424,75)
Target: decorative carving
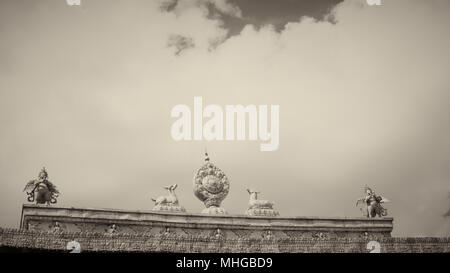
(295,234)
(112,229)
(41,190)
(31,226)
(211,186)
(56,227)
(267,235)
(166,231)
(259,207)
(168,203)
(373,204)
(191,232)
(218,234)
(320,235)
(242,233)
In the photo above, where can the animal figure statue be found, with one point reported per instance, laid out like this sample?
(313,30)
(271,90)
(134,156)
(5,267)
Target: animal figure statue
(168,200)
(373,204)
(254,203)
(41,190)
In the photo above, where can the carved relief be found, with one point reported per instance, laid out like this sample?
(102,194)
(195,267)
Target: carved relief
(242,233)
(56,227)
(295,234)
(31,226)
(267,235)
(112,229)
(218,234)
(165,231)
(320,235)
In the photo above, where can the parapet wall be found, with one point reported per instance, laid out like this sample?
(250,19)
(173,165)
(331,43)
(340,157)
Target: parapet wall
(100,242)
(46,218)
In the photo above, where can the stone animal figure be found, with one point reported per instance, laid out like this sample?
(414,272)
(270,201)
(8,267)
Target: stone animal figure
(254,203)
(170,199)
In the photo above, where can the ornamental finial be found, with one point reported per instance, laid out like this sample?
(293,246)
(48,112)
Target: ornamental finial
(43,174)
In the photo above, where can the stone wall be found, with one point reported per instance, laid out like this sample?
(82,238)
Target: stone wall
(48,218)
(50,228)
(100,242)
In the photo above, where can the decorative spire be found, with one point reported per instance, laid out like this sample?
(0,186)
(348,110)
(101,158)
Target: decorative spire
(211,186)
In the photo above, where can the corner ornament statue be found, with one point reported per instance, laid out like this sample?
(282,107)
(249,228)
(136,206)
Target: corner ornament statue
(211,186)
(41,190)
(373,204)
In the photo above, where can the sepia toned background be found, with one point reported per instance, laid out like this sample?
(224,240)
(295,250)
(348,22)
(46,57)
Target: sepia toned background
(364,95)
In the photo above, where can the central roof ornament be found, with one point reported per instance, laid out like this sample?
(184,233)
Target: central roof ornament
(211,186)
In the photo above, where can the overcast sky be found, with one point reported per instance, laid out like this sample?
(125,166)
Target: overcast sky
(364,95)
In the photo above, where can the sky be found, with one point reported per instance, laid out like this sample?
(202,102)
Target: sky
(363,91)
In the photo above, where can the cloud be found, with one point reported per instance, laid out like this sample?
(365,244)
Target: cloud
(224,7)
(219,6)
(234,15)
(180,43)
